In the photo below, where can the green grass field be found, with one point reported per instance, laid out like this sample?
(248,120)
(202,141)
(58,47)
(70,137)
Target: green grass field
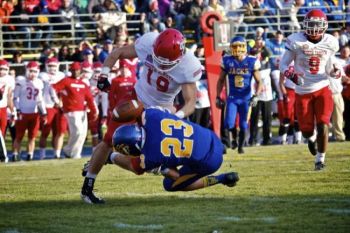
(278,192)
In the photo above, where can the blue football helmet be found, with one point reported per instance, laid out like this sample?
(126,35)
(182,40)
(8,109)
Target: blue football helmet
(238,46)
(129,139)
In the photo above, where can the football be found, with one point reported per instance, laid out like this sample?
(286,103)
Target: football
(127,111)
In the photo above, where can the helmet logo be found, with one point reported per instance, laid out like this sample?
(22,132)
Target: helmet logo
(122,148)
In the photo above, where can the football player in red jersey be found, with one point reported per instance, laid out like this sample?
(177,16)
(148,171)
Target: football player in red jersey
(76,95)
(29,102)
(313,54)
(168,69)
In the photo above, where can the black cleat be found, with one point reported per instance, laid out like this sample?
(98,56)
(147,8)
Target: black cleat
(319,166)
(234,145)
(87,194)
(312,147)
(29,157)
(240,150)
(231,179)
(90,197)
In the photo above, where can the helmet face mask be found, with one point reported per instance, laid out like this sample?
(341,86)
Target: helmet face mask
(238,46)
(168,49)
(129,139)
(315,24)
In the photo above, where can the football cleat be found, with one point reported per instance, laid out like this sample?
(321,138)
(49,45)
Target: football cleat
(319,166)
(29,157)
(231,179)
(240,150)
(234,144)
(90,197)
(87,194)
(312,147)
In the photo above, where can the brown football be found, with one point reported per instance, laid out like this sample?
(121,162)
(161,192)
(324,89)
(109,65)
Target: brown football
(127,111)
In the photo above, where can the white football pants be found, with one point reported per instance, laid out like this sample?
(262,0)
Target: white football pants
(78,127)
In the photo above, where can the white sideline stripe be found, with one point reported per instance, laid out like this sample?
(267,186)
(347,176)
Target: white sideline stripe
(146,227)
(271,220)
(339,211)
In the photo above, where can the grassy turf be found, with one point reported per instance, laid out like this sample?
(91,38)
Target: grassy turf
(278,192)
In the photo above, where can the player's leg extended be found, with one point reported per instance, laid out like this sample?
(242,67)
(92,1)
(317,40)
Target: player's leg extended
(33,130)
(230,120)
(45,131)
(323,110)
(98,159)
(243,109)
(196,176)
(305,111)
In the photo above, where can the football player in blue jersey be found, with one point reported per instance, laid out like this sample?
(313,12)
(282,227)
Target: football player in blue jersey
(239,68)
(165,142)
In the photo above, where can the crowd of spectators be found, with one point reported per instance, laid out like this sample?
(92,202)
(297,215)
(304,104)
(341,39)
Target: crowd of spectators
(38,19)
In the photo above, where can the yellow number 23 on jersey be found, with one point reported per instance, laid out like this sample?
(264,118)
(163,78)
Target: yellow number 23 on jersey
(180,148)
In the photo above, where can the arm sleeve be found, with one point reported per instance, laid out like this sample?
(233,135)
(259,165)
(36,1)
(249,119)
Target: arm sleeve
(90,100)
(144,45)
(59,86)
(286,59)
(16,95)
(104,103)
(40,101)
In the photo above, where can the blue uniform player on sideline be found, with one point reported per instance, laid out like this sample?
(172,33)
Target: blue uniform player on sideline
(163,143)
(239,69)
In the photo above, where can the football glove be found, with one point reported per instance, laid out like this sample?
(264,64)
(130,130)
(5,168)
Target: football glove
(295,78)
(336,72)
(253,101)
(219,103)
(103,83)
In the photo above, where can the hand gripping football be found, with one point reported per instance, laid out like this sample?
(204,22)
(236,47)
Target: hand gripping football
(127,111)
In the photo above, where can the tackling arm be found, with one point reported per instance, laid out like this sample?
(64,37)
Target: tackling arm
(122,52)
(189,94)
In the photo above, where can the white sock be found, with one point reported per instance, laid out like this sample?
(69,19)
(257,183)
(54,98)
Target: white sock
(91,175)
(313,137)
(298,136)
(320,157)
(58,153)
(283,137)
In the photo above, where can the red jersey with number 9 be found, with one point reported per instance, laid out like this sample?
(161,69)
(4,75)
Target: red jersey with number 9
(312,61)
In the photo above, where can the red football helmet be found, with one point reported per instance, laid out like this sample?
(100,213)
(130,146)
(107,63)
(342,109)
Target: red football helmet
(168,49)
(315,23)
(4,67)
(52,65)
(32,70)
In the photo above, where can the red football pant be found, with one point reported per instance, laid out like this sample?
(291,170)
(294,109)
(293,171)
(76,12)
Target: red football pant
(314,106)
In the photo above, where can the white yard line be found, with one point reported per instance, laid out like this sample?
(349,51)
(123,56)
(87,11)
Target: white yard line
(143,227)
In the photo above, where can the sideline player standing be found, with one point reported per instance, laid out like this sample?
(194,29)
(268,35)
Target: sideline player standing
(240,70)
(313,54)
(168,68)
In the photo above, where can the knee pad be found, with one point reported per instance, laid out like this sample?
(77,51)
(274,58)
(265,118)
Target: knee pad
(167,184)
(322,129)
